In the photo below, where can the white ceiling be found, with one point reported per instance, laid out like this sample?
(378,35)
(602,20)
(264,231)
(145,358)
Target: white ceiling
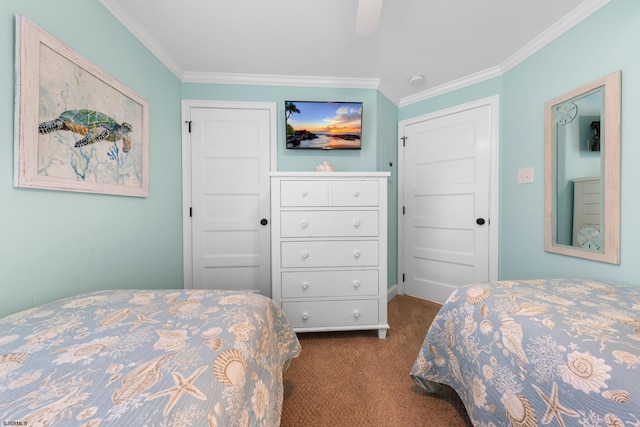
(313,42)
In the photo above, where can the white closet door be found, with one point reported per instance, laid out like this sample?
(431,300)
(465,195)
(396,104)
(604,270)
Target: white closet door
(447,179)
(230,163)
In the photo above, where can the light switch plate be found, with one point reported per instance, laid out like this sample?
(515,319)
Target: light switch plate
(525,175)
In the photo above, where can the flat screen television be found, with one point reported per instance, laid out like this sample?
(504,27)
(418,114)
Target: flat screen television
(323,125)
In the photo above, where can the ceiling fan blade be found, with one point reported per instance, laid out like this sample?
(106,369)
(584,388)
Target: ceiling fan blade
(368,16)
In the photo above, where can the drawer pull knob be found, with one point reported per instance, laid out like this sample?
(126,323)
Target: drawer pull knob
(356,254)
(356,315)
(305,255)
(304,194)
(356,224)
(305,286)
(356,285)
(304,224)
(356,193)
(305,316)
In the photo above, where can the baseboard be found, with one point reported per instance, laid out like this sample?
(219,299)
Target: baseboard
(392,292)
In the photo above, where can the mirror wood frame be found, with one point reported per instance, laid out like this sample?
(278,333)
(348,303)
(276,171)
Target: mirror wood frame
(611,174)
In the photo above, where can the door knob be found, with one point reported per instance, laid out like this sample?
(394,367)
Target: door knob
(264,221)
(480,221)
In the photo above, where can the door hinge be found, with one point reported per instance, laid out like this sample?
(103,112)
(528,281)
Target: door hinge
(190,212)
(404,140)
(403,210)
(188,122)
(402,277)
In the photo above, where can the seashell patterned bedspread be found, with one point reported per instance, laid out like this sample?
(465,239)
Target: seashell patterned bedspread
(538,352)
(146,358)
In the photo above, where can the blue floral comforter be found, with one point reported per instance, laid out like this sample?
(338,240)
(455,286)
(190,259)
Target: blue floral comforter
(146,358)
(538,352)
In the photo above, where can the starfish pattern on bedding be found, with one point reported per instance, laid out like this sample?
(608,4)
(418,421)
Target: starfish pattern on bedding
(554,408)
(181,387)
(143,319)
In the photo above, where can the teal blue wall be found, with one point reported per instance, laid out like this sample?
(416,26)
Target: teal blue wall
(604,42)
(54,244)
(387,138)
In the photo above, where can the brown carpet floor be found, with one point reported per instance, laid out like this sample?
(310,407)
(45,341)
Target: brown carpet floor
(356,379)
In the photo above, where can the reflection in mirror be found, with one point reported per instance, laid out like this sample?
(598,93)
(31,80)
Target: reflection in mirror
(582,171)
(578,170)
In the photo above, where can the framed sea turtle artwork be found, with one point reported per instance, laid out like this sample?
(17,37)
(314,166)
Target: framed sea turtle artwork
(76,127)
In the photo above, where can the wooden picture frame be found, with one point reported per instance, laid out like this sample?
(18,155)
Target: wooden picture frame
(76,127)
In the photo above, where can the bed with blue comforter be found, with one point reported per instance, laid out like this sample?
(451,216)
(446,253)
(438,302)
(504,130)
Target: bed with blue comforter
(538,352)
(146,358)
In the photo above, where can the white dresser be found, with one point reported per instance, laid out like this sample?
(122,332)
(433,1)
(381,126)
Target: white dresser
(586,206)
(329,249)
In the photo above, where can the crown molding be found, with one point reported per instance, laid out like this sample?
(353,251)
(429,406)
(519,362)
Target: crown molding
(566,23)
(142,35)
(550,34)
(279,80)
(569,21)
(469,80)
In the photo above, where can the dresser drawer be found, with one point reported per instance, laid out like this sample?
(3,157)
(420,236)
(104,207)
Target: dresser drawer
(328,223)
(311,284)
(355,193)
(328,193)
(342,253)
(304,193)
(313,314)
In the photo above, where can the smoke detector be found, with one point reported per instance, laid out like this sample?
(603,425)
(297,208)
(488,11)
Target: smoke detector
(416,80)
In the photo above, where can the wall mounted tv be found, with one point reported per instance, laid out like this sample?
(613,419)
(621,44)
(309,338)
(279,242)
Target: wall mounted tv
(323,125)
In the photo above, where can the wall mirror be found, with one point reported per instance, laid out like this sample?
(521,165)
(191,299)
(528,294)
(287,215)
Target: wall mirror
(582,172)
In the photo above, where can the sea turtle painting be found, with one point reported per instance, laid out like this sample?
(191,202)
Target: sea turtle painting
(93,125)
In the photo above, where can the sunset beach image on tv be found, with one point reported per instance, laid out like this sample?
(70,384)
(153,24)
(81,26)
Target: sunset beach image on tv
(323,125)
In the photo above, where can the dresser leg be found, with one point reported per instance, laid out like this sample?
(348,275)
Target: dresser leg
(382,333)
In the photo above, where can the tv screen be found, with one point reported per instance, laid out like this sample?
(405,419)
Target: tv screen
(323,125)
